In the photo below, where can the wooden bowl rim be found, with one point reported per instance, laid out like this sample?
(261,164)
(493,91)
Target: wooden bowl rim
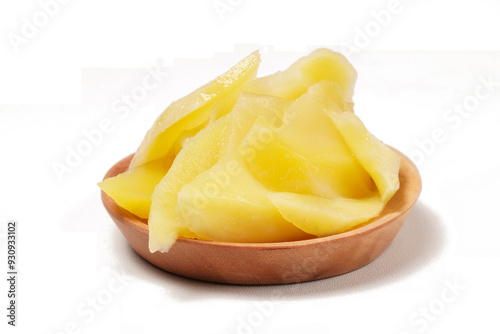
(407,168)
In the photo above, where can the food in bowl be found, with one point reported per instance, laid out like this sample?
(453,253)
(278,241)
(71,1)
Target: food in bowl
(254,160)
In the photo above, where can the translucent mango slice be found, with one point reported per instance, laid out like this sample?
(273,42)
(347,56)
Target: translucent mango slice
(186,116)
(133,189)
(198,154)
(321,64)
(376,158)
(325,216)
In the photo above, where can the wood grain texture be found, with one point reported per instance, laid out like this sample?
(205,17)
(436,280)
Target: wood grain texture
(273,263)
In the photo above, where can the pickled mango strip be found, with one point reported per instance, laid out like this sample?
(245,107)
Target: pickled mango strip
(215,98)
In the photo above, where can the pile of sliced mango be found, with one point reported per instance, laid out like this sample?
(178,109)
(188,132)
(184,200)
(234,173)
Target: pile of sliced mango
(272,159)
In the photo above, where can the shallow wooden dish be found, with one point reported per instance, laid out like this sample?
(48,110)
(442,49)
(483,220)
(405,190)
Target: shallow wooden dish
(273,263)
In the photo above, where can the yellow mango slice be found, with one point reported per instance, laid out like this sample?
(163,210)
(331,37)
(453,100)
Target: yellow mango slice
(325,216)
(132,190)
(377,159)
(321,64)
(225,203)
(306,123)
(188,115)
(198,154)
(329,65)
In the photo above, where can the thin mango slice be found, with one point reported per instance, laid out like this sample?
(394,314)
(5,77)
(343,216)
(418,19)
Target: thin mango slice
(198,154)
(325,216)
(321,64)
(377,159)
(195,110)
(133,189)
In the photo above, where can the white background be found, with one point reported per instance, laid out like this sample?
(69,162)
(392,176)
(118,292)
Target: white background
(422,60)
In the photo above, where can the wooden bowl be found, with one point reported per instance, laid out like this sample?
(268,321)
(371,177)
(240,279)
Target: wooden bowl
(279,262)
